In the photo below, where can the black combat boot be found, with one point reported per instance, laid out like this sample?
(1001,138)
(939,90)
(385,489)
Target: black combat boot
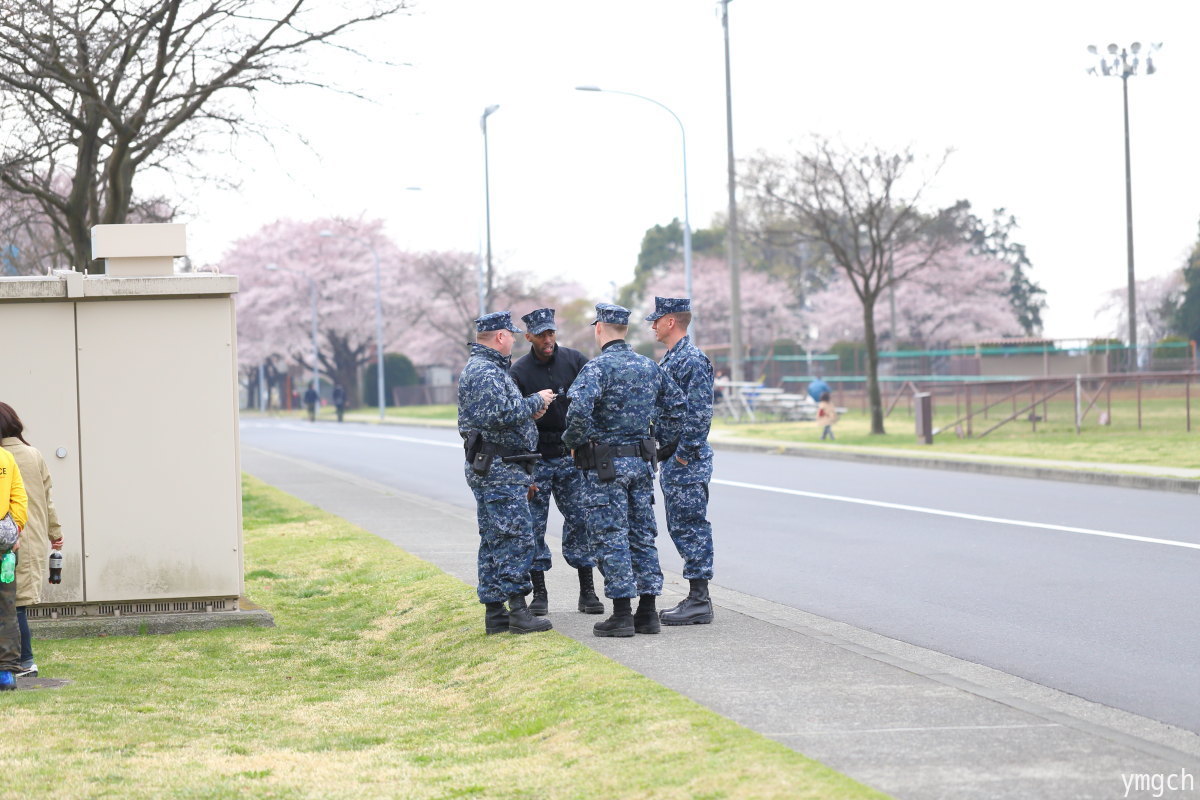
(589,603)
(521,621)
(695,609)
(646,618)
(540,603)
(621,621)
(495,619)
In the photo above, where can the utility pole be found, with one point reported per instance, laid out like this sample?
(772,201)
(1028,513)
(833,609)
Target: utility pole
(731,231)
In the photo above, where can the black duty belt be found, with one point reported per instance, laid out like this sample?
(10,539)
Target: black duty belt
(481,452)
(626,451)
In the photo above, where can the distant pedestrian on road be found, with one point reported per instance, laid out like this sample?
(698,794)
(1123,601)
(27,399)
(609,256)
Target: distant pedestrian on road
(549,365)
(310,402)
(615,399)
(496,423)
(687,469)
(339,400)
(14,512)
(826,416)
(42,532)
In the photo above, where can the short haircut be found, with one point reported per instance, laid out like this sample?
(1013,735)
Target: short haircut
(486,336)
(682,318)
(617,330)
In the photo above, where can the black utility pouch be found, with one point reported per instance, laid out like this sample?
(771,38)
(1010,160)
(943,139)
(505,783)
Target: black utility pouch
(606,470)
(649,451)
(585,456)
(470,443)
(482,464)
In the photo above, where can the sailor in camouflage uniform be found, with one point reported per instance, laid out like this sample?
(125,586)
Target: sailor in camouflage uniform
(549,365)
(614,400)
(497,426)
(687,468)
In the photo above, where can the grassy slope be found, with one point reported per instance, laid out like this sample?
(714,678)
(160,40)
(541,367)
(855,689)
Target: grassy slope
(377,682)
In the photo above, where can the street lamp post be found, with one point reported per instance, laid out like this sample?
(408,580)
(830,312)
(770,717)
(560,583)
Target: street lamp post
(485,297)
(687,225)
(1123,63)
(312,293)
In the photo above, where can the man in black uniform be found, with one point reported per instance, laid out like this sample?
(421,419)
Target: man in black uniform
(548,365)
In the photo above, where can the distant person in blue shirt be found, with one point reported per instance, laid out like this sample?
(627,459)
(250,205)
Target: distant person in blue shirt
(817,388)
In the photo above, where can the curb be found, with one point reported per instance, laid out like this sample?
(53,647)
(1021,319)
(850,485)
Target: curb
(1124,480)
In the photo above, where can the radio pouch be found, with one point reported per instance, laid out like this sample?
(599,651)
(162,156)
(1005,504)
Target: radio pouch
(606,469)
(481,464)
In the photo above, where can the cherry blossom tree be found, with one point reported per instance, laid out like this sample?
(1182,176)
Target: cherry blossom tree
(1158,299)
(768,313)
(861,207)
(959,297)
(274,302)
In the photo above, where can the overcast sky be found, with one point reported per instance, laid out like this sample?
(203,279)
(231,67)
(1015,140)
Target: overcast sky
(576,178)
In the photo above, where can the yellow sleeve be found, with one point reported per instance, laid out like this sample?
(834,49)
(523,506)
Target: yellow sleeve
(18,502)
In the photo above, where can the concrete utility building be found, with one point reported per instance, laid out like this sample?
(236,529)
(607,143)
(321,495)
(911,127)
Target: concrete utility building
(127,383)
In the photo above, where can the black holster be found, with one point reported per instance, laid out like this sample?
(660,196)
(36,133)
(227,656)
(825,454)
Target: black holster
(481,453)
(597,456)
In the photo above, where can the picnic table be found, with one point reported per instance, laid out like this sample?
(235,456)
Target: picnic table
(750,399)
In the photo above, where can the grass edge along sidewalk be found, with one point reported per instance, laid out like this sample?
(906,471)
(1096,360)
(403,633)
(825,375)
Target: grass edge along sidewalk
(376,682)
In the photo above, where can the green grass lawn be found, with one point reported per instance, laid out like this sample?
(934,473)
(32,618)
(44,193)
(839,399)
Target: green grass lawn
(377,682)
(1162,440)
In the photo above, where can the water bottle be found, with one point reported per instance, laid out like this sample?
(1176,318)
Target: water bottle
(55,566)
(8,567)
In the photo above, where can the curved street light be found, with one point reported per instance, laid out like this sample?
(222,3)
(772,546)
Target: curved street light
(1123,63)
(485,294)
(687,225)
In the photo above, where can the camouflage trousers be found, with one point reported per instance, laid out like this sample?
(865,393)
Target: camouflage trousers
(560,477)
(687,522)
(621,529)
(10,634)
(505,539)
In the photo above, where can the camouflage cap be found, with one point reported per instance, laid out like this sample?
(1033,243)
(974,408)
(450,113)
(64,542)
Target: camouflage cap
(669,305)
(496,321)
(611,314)
(540,320)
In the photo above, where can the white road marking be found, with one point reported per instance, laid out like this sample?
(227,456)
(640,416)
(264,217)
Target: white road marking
(814,495)
(391,436)
(957,514)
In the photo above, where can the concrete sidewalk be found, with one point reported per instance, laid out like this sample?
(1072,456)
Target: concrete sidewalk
(908,721)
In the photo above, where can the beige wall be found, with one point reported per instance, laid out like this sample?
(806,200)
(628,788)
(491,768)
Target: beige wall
(135,378)
(38,381)
(158,437)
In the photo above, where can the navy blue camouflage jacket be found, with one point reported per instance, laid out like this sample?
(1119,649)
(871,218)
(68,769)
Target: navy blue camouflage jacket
(490,402)
(617,395)
(693,373)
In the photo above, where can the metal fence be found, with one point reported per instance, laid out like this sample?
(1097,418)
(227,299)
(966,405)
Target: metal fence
(976,407)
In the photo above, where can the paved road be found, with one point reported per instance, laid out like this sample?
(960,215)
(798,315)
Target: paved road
(1089,590)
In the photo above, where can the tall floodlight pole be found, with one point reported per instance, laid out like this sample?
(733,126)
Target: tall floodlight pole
(312,295)
(731,233)
(687,224)
(486,301)
(1123,63)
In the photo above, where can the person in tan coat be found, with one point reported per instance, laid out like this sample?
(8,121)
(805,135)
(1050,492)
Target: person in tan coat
(41,533)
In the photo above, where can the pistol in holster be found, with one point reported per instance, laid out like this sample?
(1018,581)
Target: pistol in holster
(650,452)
